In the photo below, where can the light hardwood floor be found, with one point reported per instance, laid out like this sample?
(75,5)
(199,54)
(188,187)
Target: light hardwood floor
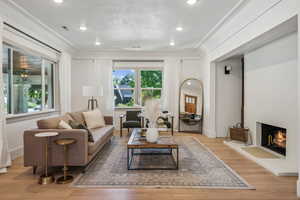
(19,183)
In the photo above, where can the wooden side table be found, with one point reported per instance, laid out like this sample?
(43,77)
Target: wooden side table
(46,178)
(65,142)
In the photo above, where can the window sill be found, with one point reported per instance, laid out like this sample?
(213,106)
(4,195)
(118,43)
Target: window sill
(128,108)
(29,116)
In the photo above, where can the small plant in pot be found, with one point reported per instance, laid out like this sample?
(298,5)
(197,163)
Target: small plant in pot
(151,113)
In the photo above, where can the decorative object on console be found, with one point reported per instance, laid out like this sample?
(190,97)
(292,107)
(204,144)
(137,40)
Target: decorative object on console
(92,91)
(151,114)
(46,178)
(191,106)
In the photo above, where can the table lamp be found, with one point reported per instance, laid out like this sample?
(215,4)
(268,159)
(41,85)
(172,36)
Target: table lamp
(92,91)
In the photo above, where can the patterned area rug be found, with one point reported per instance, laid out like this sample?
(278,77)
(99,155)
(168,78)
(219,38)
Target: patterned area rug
(198,168)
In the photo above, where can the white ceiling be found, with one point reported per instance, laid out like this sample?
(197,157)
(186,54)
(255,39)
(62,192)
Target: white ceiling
(122,24)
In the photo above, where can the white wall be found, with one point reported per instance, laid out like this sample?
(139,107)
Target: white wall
(228,96)
(24,21)
(271,89)
(84,73)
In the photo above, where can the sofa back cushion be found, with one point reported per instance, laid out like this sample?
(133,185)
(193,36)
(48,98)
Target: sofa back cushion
(53,123)
(78,117)
(94,119)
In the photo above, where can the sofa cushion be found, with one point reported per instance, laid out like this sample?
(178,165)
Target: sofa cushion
(100,135)
(52,123)
(76,125)
(94,119)
(64,125)
(78,116)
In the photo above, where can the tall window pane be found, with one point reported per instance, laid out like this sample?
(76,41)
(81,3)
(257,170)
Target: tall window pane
(151,79)
(49,84)
(6,78)
(150,94)
(124,84)
(151,85)
(27,82)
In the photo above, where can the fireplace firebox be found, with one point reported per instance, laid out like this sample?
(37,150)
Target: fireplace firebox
(274,138)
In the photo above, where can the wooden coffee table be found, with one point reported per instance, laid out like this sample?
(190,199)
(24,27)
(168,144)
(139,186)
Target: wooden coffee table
(138,142)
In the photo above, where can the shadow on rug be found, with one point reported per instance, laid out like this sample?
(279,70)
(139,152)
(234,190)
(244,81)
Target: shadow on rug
(198,168)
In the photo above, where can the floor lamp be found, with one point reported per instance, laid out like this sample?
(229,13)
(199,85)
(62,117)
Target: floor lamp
(92,92)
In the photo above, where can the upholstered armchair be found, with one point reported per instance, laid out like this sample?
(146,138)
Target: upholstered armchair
(132,120)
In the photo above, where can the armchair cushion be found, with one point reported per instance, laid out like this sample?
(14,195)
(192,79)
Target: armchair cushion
(133,116)
(132,124)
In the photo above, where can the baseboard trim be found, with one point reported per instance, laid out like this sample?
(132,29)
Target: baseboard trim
(209,133)
(298,188)
(16,152)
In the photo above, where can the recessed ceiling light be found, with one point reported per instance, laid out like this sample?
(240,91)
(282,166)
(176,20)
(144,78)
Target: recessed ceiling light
(83,28)
(191,2)
(97,43)
(172,43)
(58,1)
(179,28)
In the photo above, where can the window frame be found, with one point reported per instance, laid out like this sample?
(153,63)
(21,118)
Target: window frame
(13,48)
(138,85)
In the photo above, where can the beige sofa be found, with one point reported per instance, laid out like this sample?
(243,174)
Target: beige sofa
(80,153)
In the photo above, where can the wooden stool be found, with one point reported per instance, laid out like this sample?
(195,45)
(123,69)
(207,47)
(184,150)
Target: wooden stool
(46,178)
(65,142)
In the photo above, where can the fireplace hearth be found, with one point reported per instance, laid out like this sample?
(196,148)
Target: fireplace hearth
(274,138)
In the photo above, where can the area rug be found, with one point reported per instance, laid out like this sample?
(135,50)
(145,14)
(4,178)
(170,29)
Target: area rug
(198,168)
(260,153)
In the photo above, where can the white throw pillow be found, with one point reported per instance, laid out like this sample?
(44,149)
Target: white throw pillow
(64,125)
(94,119)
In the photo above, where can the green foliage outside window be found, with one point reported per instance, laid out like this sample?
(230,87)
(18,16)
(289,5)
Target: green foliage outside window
(151,79)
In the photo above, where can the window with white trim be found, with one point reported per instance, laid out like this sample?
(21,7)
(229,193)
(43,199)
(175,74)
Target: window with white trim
(133,86)
(29,81)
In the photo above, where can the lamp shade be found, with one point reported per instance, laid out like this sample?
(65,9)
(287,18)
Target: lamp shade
(92,91)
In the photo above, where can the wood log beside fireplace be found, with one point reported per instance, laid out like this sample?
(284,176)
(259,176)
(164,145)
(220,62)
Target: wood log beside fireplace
(239,134)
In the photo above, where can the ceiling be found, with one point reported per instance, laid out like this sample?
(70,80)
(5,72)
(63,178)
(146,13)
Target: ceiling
(128,24)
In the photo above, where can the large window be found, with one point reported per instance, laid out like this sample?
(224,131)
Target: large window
(132,87)
(28,81)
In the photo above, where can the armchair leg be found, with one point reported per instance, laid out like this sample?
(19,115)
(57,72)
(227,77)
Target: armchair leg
(121,126)
(34,168)
(128,131)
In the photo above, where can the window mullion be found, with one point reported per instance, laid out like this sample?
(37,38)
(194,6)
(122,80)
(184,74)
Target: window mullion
(137,95)
(43,85)
(11,82)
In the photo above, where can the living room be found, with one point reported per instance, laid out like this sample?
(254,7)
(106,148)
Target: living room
(135,66)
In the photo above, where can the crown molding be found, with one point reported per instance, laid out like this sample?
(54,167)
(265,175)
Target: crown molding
(226,18)
(34,19)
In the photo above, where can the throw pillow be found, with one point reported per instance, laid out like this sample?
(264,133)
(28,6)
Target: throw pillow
(64,125)
(94,119)
(76,125)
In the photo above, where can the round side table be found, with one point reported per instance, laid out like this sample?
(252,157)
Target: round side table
(46,178)
(65,142)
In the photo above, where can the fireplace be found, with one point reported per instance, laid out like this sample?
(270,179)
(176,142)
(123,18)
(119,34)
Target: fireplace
(273,138)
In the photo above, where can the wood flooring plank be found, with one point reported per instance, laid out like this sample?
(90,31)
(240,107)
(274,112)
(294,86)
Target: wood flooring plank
(20,184)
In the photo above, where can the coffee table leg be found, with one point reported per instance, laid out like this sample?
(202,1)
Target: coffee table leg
(128,159)
(177,163)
